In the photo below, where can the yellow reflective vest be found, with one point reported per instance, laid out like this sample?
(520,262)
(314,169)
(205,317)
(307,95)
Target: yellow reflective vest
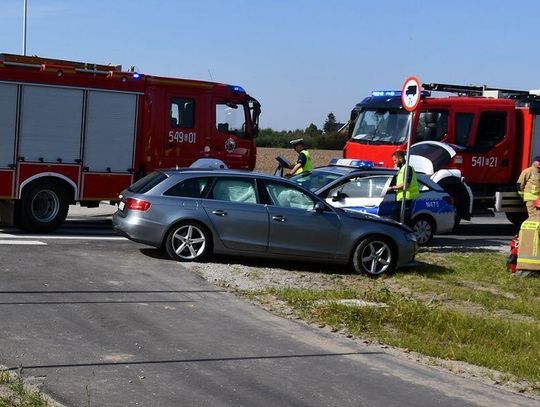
(308,166)
(413,190)
(529,184)
(529,241)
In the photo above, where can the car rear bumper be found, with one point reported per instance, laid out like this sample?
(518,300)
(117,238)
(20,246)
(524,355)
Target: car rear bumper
(138,229)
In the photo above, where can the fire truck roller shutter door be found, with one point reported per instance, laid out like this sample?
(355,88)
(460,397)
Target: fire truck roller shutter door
(51,121)
(110,131)
(8,122)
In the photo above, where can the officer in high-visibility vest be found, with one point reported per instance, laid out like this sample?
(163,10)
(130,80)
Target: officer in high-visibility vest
(303,163)
(412,191)
(528,185)
(528,258)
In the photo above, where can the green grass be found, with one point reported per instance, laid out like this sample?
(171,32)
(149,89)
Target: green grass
(17,394)
(459,307)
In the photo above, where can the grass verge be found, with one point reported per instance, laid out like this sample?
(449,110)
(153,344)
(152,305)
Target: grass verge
(14,393)
(462,307)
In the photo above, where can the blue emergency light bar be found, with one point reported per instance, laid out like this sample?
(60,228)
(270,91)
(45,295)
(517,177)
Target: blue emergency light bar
(237,89)
(136,75)
(380,93)
(346,162)
(388,93)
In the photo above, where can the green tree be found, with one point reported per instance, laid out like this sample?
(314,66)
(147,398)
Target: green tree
(330,123)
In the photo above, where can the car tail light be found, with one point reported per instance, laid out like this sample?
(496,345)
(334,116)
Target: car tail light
(137,204)
(448,199)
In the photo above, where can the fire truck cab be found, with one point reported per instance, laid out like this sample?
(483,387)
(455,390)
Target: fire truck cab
(77,132)
(491,134)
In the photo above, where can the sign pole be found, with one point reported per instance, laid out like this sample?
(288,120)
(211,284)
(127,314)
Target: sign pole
(406,174)
(25,15)
(410,98)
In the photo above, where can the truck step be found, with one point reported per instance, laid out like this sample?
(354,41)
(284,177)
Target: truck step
(483,213)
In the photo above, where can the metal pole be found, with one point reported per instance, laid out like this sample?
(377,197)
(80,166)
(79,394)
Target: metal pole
(406,175)
(25,15)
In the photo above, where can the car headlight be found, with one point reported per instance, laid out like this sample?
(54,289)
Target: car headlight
(410,236)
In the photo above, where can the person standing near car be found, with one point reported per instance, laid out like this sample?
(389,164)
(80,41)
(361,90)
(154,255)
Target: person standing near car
(528,253)
(528,185)
(412,190)
(303,163)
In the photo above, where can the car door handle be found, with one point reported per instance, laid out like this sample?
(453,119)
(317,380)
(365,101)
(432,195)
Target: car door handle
(279,218)
(219,212)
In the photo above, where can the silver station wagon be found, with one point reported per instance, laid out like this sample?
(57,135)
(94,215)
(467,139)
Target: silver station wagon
(193,213)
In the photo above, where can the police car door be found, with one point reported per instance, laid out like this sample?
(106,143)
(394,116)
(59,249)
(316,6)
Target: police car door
(363,194)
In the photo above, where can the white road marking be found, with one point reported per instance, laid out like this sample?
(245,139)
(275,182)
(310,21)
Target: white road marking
(53,237)
(23,242)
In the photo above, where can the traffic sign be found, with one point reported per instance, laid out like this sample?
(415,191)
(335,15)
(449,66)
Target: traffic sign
(410,94)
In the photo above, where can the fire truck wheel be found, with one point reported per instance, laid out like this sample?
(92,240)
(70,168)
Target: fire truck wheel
(424,229)
(43,207)
(188,241)
(374,255)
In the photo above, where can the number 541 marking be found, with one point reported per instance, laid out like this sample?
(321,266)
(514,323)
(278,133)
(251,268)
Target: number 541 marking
(484,161)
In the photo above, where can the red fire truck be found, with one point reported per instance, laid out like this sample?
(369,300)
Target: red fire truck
(79,132)
(486,135)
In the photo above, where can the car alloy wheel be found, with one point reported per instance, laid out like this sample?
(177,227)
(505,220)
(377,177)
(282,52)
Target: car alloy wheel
(187,242)
(374,256)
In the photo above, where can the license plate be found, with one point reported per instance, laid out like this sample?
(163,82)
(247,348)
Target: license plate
(121,206)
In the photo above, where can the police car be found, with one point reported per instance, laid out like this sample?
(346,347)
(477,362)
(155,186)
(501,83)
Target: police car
(358,185)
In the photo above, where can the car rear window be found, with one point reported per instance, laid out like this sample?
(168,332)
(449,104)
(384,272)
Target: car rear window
(148,182)
(190,188)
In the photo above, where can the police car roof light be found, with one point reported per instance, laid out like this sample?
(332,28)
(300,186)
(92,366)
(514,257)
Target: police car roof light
(352,163)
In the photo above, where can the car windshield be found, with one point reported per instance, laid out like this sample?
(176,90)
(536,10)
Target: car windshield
(380,126)
(315,180)
(231,118)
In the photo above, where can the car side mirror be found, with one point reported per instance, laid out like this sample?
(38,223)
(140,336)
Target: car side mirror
(339,196)
(319,207)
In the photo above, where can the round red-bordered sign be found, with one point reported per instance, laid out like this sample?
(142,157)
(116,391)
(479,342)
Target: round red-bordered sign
(410,93)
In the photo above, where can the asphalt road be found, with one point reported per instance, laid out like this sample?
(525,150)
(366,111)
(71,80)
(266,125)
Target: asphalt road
(101,321)
(481,233)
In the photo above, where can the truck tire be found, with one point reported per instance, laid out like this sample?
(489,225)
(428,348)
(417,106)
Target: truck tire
(43,207)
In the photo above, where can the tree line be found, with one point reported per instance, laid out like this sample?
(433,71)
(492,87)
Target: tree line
(327,138)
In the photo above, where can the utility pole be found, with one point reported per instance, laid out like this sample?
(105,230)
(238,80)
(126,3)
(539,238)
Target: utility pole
(25,14)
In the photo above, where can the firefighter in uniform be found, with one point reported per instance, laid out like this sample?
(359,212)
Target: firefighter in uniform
(528,258)
(528,185)
(303,163)
(413,190)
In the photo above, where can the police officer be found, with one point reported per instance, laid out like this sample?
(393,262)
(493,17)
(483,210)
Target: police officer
(528,185)
(398,183)
(303,163)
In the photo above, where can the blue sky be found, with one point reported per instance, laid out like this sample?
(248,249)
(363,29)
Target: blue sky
(300,58)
